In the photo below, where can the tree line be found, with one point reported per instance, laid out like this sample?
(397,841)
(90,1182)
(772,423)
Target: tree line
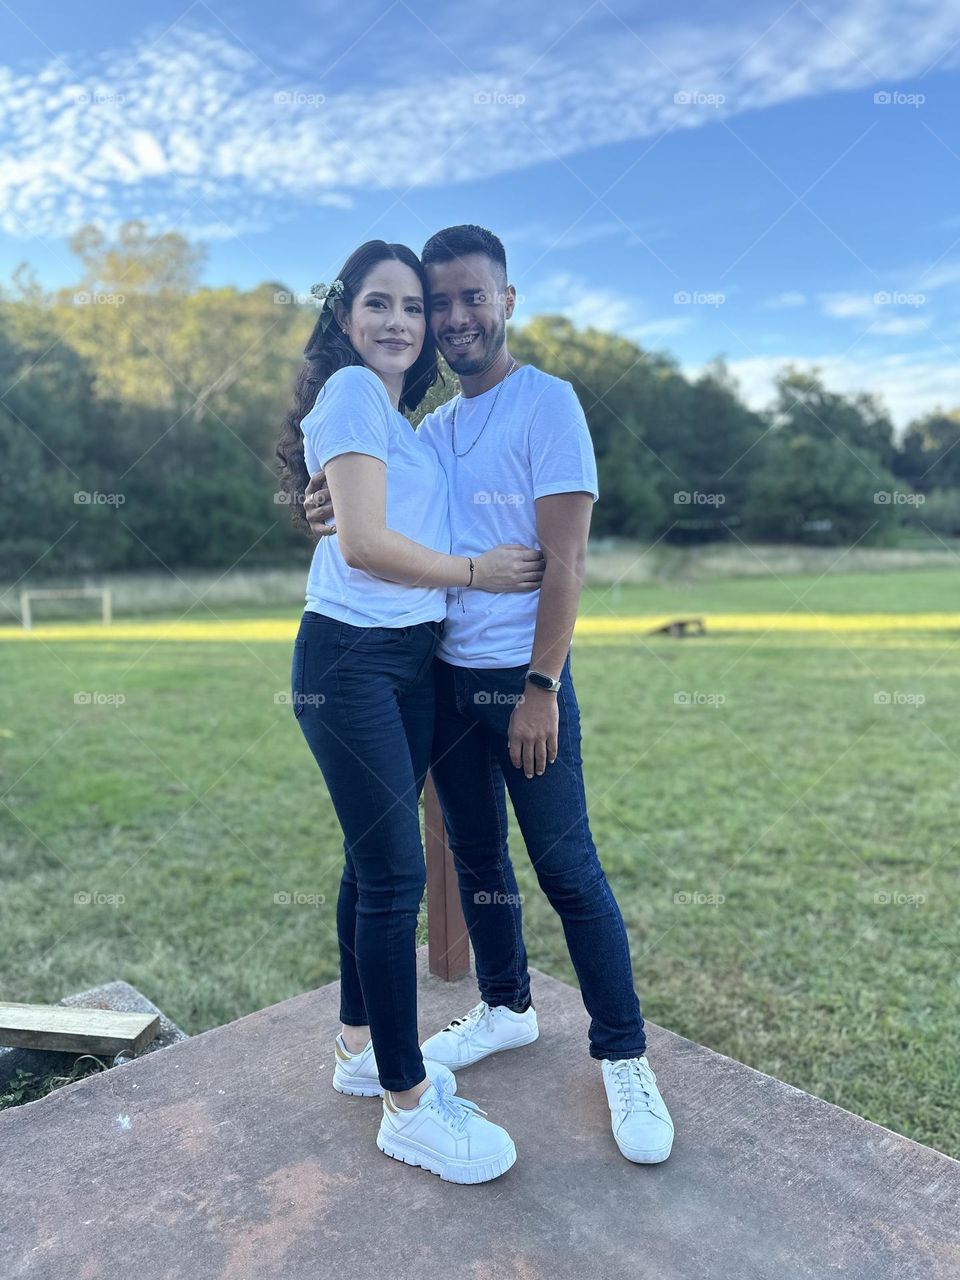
(141,410)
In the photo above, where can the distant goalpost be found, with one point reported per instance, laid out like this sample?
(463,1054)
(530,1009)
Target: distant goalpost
(75,593)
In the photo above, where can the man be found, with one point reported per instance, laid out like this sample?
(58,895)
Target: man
(520,469)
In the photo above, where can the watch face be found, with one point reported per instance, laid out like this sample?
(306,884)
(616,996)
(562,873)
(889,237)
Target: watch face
(544,682)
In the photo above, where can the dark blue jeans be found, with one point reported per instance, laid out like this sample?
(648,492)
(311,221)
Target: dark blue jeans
(471,767)
(363,697)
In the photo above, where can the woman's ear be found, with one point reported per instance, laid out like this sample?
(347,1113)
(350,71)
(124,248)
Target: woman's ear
(341,316)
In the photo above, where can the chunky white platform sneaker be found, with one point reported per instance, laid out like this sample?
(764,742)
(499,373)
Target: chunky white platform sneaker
(356,1073)
(482,1031)
(641,1122)
(447,1136)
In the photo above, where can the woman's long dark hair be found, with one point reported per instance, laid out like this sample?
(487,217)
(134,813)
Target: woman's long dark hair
(329,349)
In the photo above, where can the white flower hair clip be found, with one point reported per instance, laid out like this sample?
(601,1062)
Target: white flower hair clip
(327,292)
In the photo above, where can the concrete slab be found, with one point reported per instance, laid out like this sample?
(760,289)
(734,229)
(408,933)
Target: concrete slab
(229,1156)
(119,996)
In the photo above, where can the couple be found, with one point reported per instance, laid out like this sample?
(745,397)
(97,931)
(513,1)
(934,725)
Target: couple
(441,602)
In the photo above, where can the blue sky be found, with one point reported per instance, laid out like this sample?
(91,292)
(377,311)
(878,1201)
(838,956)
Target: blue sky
(706,180)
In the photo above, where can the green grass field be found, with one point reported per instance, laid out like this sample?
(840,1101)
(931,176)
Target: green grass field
(784,846)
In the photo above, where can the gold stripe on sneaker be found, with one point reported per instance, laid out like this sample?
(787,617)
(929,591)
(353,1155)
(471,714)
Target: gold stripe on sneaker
(391,1107)
(341,1053)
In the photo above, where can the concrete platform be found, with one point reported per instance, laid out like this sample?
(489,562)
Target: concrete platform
(229,1156)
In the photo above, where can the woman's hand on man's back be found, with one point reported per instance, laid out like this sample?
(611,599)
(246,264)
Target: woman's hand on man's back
(318,506)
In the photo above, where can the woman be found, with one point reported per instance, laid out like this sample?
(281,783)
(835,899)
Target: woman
(363,687)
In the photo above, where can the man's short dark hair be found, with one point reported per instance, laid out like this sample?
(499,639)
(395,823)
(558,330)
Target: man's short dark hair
(457,242)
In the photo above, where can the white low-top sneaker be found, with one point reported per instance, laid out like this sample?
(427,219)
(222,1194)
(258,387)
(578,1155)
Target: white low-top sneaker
(446,1135)
(641,1122)
(482,1031)
(356,1073)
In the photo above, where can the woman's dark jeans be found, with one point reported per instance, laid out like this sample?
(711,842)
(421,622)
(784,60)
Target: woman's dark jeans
(363,697)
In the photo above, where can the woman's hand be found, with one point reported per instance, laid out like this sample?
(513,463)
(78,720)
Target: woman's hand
(318,506)
(509,567)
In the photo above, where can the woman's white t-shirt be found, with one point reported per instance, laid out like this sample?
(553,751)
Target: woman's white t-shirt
(353,414)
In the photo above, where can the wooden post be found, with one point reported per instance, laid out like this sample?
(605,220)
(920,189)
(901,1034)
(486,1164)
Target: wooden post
(448,942)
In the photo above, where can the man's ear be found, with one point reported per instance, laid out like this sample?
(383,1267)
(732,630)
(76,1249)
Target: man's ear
(509,300)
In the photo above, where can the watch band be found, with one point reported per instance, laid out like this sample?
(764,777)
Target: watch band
(543,681)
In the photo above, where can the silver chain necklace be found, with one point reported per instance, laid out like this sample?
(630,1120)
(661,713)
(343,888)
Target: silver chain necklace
(513,365)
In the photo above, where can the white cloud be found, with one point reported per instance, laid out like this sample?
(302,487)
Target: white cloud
(889,313)
(897,326)
(587,305)
(190,124)
(651,332)
(847,306)
(908,385)
(784,300)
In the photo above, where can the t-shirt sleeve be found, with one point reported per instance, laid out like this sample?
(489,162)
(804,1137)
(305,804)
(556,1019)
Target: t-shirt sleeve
(351,415)
(561,450)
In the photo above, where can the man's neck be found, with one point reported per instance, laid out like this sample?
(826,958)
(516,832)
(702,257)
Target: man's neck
(476,384)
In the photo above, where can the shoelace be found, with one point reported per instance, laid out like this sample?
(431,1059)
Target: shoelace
(469,1023)
(453,1108)
(632,1078)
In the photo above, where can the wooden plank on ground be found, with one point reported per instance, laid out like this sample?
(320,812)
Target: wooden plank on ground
(75,1030)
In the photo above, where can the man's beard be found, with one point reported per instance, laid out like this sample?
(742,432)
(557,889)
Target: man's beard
(472,365)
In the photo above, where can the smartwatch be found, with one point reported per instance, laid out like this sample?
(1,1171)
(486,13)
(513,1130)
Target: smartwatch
(542,681)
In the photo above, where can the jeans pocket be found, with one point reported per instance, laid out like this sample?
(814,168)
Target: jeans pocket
(296,676)
(371,639)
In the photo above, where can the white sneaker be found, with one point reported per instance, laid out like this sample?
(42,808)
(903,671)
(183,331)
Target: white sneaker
(446,1135)
(641,1122)
(356,1073)
(482,1031)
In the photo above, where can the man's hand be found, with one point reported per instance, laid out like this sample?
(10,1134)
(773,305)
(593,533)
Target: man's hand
(318,507)
(534,729)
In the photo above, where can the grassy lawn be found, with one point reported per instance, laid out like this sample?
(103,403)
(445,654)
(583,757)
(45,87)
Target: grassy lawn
(783,846)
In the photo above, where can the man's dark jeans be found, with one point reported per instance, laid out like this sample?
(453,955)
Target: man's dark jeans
(363,697)
(471,763)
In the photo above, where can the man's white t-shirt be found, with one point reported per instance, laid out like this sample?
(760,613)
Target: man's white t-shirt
(353,414)
(535,442)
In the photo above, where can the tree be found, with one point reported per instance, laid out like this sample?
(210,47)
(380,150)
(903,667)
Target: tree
(929,455)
